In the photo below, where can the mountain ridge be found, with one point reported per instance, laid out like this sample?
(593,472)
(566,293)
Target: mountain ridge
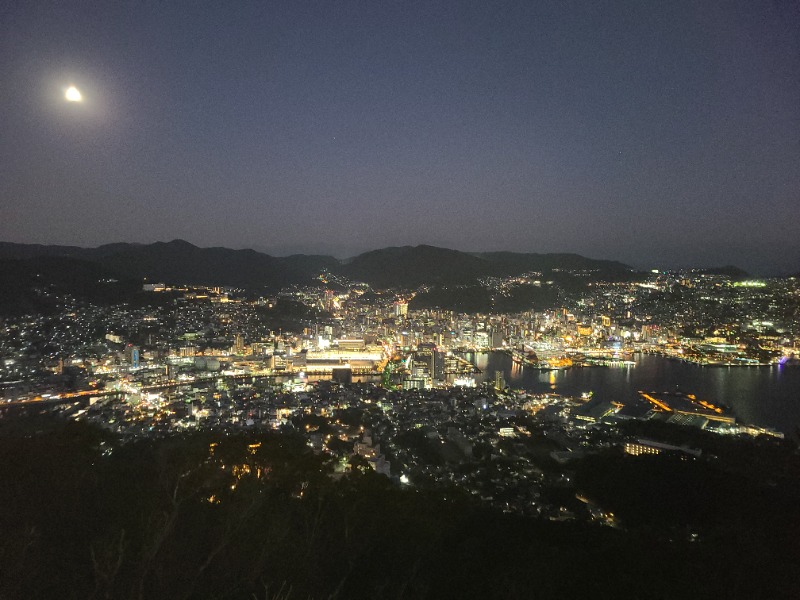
(179,261)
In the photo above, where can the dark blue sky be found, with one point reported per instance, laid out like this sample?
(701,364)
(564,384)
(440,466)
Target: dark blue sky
(657,133)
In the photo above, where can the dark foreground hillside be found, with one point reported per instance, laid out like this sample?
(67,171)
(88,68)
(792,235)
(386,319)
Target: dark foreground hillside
(210,515)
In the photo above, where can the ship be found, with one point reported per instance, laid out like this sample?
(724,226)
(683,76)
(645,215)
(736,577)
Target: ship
(789,361)
(530,359)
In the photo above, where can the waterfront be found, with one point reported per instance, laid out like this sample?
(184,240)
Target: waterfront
(767,396)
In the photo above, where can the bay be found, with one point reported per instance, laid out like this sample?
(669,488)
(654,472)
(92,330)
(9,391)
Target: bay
(766,396)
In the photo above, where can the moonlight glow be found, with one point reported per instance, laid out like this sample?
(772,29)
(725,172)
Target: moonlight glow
(73,94)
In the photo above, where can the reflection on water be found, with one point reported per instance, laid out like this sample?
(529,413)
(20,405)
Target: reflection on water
(481,360)
(760,395)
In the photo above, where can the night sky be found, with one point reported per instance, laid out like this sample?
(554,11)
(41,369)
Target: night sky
(658,133)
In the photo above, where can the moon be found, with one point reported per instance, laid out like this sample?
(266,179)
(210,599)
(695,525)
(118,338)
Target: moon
(73,94)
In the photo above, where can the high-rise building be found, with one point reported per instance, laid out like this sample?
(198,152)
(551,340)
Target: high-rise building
(499,381)
(132,354)
(496,337)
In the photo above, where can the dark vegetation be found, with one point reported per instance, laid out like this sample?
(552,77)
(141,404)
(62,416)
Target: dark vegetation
(259,516)
(745,527)
(289,315)
(40,285)
(409,266)
(511,263)
(731,271)
(476,298)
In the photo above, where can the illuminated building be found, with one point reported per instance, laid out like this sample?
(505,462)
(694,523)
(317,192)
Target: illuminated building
(641,446)
(635,449)
(400,308)
(238,345)
(329,298)
(132,355)
(499,381)
(351,344)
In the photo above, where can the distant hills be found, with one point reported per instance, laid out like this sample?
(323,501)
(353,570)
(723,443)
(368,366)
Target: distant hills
(731,271)
(38,284)
(417,265)
(179,261)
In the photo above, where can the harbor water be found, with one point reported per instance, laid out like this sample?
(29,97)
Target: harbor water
(766,396)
